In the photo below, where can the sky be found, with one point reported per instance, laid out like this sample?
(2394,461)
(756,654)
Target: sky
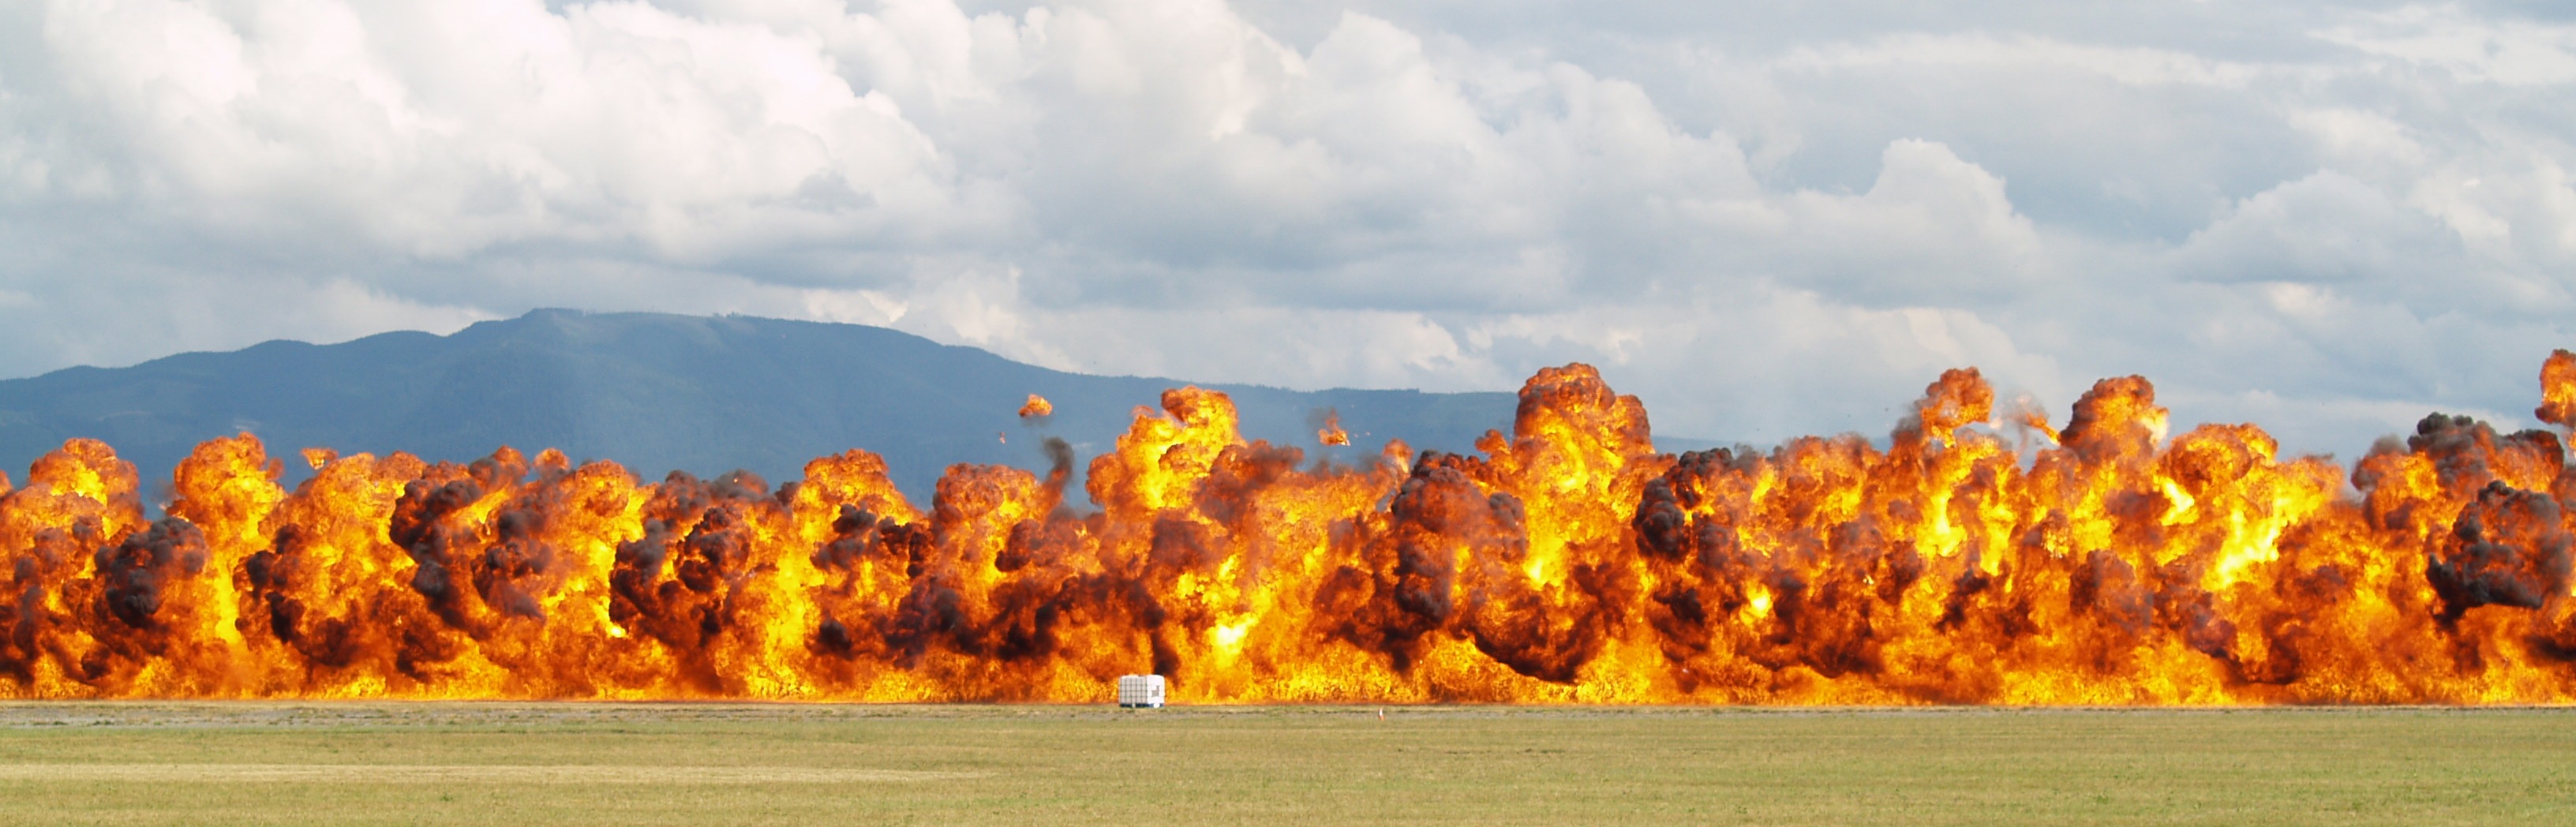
(1766,219)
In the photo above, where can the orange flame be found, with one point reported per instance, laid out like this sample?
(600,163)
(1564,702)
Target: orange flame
(2558,390)
(2027,415)
(1037,407)
(1332,433)
(1566,561)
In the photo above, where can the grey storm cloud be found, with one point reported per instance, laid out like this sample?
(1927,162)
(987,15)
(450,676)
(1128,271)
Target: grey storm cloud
(2326,217)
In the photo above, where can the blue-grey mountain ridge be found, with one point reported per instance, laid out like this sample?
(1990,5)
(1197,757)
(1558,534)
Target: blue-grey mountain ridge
(658,392)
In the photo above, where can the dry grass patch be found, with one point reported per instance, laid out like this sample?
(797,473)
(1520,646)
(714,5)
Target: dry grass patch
(534,764)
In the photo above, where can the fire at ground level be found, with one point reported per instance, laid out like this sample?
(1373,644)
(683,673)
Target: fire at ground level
(687,763)
(1565,562)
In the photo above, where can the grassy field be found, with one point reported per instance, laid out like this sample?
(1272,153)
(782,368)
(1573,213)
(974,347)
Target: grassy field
(535,764)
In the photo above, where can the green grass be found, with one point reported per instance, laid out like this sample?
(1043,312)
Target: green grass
(535,764)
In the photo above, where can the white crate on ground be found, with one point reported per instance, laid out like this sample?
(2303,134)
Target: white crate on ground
(1140,691)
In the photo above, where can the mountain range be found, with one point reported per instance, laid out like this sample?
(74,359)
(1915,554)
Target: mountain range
(659,392)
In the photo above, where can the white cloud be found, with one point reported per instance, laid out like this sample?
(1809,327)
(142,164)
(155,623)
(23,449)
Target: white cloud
(2452,39)
(2023,53)
(2325,227)
(1767,222)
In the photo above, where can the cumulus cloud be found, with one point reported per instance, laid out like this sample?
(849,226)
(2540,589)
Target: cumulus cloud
(1768,221)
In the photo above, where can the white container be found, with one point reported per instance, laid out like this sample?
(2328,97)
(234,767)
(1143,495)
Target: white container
(1140,691)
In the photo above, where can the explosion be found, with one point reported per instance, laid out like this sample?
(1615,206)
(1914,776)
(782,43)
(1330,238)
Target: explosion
(1332,433)
(1567,561)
